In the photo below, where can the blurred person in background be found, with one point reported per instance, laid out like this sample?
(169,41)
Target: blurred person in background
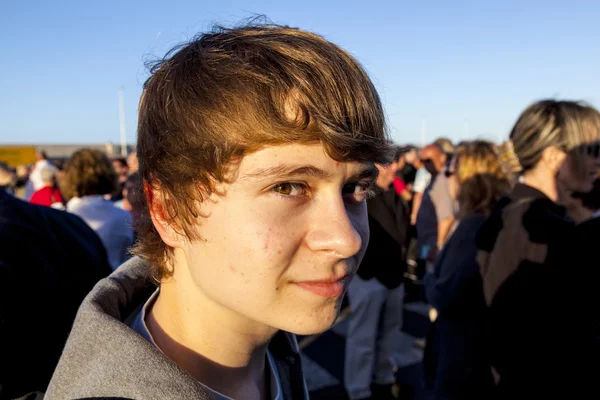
(422,180)
(88,177)
(49,261)
(456,362)
(402,188)
(376,296)
(445,206)
(434,160)
(541,338)
(122,171)
(132,163)
(132,200)
(35,182)
(48,195)
(22,179)
(7,178)
(446,145)
(408,170)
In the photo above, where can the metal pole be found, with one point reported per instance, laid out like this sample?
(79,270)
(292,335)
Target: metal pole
(122,121)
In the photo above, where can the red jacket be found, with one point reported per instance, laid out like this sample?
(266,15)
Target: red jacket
(46,196)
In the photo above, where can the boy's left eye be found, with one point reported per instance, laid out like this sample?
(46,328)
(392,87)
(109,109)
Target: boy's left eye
(290,189)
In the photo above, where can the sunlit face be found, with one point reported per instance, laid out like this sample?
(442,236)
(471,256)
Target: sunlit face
(570,180)
(432,159)
(411,157)
(280,247)
(120,169)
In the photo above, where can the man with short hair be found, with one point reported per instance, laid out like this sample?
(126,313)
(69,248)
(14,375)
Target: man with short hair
(256,149)
(434,160)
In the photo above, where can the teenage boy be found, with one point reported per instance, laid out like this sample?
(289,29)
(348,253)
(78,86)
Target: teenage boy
(256,150)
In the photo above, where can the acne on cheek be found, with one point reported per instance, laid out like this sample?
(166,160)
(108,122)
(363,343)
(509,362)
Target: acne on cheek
(269,236)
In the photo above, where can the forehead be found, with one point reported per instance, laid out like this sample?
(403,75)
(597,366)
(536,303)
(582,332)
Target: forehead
(267,160)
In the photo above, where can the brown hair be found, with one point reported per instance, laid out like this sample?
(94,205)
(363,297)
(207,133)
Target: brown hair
(230,92)
(87,172)
(481,179)
(564,124)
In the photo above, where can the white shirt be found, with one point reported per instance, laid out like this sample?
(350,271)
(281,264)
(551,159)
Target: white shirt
(137,322)
(422,180)
(112,224)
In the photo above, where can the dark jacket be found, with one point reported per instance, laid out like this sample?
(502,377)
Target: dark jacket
(455,363)
(540,334)
(49,261)
(589,238)
(385,257)
(105,358)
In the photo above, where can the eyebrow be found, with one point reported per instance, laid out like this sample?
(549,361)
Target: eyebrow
(289,171)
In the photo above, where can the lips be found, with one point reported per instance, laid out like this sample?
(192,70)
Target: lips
(326,288)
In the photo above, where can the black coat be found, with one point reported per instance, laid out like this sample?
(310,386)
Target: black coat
(456,363)
(536,284)
(49,261)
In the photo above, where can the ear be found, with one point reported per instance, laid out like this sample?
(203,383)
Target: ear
(553,158)
(163,223)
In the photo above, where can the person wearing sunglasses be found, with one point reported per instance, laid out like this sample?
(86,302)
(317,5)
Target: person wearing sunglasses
(541,338)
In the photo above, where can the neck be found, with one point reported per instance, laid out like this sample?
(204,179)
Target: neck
(220,348)
(383,186)
(543,182)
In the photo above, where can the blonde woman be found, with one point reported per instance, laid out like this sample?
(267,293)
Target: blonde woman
(541,337)
(456,364)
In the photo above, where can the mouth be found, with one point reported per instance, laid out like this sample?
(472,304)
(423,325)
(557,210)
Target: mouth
(334,287)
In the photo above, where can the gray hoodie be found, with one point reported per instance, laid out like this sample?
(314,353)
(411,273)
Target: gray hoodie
(103,357)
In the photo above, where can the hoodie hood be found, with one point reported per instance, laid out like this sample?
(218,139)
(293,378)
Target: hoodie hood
(103,357)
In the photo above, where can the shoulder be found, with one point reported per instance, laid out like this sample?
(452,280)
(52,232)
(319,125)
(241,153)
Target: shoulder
(42,229)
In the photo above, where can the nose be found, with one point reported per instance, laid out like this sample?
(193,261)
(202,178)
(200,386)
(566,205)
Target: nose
(336,231)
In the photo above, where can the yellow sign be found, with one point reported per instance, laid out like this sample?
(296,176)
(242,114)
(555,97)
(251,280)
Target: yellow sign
(15,156)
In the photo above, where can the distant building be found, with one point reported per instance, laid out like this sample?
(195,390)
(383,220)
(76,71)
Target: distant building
(64,151)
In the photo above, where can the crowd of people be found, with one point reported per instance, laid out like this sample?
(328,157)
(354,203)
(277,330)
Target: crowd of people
(266,178)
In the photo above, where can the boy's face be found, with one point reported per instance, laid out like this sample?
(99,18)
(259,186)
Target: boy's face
(280,247)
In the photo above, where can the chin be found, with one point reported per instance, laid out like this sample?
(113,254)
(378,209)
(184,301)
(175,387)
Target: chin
(312,323)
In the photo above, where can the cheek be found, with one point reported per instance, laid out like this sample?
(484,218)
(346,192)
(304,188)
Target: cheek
(271,245)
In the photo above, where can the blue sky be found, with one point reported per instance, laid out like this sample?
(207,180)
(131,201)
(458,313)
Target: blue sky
(466,68)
